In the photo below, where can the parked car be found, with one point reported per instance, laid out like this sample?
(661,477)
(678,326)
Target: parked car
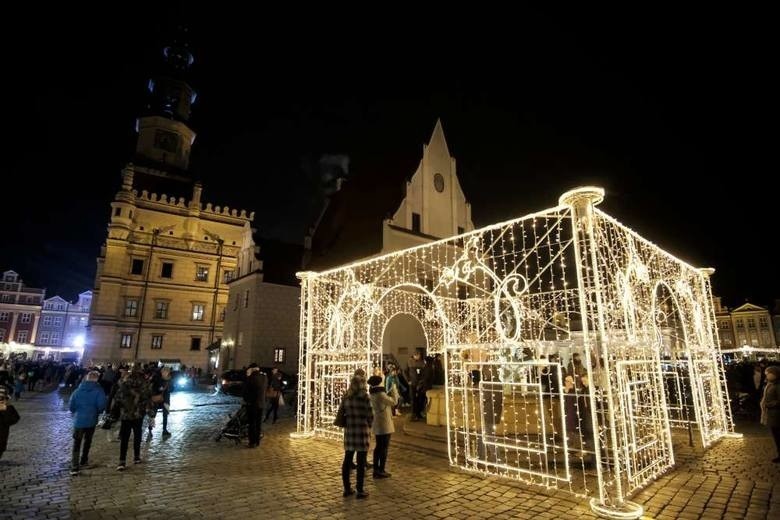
(181,381)
(232,382)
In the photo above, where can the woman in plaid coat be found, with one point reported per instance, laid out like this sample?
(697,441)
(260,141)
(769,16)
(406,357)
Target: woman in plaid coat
(356,408)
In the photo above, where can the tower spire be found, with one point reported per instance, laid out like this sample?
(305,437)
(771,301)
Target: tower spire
(164,135)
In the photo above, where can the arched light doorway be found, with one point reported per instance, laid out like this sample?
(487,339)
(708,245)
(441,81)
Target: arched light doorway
(403,334)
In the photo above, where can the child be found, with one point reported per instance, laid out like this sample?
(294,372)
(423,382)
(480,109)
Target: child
(8,417)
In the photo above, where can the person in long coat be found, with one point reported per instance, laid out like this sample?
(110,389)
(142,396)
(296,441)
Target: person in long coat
(356,408)
(770,406)
(382,406)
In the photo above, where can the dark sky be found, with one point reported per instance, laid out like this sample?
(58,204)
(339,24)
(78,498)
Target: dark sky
(666,110)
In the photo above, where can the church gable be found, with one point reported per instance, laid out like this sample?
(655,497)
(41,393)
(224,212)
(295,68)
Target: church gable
(434,203)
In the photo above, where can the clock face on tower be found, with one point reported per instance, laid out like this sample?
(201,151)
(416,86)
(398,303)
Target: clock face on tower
(166,141)
(438,182)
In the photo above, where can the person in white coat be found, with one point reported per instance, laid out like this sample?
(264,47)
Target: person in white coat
(382,405)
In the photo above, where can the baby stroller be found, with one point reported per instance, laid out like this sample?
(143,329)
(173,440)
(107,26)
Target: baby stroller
(237,427)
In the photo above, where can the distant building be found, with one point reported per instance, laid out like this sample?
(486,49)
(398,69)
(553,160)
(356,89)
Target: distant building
(262,317)
(747,325)
(63,329)
(20,314)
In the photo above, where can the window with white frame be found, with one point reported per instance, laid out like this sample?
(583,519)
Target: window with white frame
(44,338)
(21,336)
(157,342)
(228,275)
(131,308)
(47,321)
(762,322)
(26,316)
(751,323)
(202,273)
(55,338)
(126,341)
(161,310)
(197,311)
(2,335)
(279,355)
(6,298)
(58,321)
(3,316)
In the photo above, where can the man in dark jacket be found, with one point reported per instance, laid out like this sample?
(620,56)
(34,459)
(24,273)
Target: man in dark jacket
(86,403)
(254,397)
(134,399)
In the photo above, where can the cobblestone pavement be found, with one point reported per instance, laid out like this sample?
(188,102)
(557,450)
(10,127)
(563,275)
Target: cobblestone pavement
(191,476)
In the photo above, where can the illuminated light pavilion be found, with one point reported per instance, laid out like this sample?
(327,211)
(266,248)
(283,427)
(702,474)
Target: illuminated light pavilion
(508,306)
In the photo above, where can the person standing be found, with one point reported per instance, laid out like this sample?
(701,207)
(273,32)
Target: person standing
(770,406)
(274,393)
(8,417)
(382,408)
(134,399)
(356,408)
(87,402)
(414,370)
(254,398)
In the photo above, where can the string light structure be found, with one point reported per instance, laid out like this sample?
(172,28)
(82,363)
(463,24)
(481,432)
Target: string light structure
(572,347)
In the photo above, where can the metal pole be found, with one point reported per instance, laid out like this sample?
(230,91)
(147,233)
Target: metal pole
(216,293)
(155,232)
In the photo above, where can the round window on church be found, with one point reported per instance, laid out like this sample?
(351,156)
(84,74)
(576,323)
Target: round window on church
(438,182)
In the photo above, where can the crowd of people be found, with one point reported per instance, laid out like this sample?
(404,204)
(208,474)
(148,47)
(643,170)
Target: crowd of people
(755,394)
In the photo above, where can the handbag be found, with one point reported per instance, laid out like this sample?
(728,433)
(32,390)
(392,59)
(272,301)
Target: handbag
(341,417)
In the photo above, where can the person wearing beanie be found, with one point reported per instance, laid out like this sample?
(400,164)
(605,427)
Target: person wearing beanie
(382,407)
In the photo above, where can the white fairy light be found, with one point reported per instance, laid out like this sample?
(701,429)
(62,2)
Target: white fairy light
(499,303)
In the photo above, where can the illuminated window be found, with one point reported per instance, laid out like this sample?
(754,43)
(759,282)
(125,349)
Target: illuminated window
(157,342)
(126,341)
(202,273)
(279,354)
(197,311)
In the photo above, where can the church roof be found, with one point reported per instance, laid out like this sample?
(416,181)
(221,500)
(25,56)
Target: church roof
(351,226)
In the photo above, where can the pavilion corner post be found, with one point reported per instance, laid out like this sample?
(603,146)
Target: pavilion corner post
(581,201)
(304,426)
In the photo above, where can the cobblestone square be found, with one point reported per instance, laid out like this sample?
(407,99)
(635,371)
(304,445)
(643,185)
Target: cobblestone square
(189,475)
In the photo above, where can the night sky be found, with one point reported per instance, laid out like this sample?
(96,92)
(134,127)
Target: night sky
(665,110)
